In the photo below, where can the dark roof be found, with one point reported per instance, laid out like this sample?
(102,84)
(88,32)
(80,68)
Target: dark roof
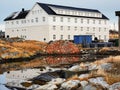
(47,8)
(113,32)
(17,15)
(22,14)
(68,7)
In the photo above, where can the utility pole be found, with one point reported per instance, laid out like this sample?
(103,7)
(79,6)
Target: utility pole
(118,14)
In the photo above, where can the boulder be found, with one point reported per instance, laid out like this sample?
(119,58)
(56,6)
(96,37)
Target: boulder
(47,87)
(75,68)
(115,86)
(83,83)
(106,66)
(57,81)
(99,81)
(83,75)
(89,87)
(70,85)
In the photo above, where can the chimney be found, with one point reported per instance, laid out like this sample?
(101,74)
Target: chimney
(23,9)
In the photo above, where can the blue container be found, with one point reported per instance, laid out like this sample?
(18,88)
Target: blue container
(82,39)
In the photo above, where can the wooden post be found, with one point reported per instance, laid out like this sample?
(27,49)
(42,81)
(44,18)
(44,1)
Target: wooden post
(118,14)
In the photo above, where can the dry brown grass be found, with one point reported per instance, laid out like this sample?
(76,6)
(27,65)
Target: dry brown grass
(74,77)
(104,49)
(21,49)
(111,78)
(111,59)
(113,75)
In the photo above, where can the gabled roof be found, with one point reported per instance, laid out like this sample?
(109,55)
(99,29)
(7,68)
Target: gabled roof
(17,15)
(47,7)
(49,11)
(68,7)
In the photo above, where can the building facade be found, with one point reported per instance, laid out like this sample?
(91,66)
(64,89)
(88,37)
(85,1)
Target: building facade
(46,22)
(113,34)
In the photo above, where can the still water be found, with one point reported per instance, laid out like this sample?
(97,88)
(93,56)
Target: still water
(52,61)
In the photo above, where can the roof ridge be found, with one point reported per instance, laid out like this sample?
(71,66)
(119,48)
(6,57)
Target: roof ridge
(69,7)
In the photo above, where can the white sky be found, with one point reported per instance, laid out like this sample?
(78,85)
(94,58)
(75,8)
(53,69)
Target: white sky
(107,7)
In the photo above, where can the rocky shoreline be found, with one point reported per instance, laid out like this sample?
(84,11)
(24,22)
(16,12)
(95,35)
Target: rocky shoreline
(84,76)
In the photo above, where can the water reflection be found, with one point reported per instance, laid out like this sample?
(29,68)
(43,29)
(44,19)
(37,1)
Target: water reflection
(40,62)
(3,81)
(53,61)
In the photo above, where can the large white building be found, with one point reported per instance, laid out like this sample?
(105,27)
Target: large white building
(46,22)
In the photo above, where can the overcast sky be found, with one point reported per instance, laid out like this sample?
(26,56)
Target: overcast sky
(107,7)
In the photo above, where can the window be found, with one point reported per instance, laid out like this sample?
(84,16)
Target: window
(54,27)
(75,28)
(54,19)
(32,20)
(105,29)
(99,29)
(61,37)
(93,21)
(61,19)
(43,19)
(12,22)
(25,36)
(61,27)
(68,27)
(24,21)
(88,21)
(75,20)
(88,28)
(99,37)
(73,12)
(17,22)
(54,36)
(68,36)
(81,20)
(105,22)
(99,21)
(36,19)
(93,28)
(81,28)
(32,12)
(61,11)
(68,19)
(28,21)
(38,11)
(105,37)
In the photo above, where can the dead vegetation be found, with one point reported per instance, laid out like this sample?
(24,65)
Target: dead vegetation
(112,75)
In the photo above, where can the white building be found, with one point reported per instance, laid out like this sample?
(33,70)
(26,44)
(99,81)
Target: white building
(46,22)
(2,27)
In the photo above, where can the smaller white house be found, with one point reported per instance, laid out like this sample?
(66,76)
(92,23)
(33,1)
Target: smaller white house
(46,22)
(2,27)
